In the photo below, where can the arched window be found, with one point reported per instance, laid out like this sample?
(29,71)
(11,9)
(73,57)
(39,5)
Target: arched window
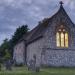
(62,37)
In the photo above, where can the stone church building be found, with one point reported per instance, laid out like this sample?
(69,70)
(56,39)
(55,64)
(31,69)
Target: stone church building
(52,42)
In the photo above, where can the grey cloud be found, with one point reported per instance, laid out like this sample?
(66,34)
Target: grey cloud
(14,13)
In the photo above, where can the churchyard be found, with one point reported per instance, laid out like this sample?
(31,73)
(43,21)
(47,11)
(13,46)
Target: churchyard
(50,43)
(44,71)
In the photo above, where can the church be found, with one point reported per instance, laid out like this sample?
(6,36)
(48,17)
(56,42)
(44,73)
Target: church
(52,42)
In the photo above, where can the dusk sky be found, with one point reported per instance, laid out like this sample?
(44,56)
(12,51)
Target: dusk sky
(14,13)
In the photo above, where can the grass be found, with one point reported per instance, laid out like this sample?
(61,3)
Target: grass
(44,71)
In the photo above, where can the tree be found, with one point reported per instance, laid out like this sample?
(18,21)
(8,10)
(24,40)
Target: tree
(4,46)
(19,33)
(4,51)
(7,59)
(7,55)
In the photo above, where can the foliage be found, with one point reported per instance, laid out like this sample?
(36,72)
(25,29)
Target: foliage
(19,33)
(3,47)
(6,47)
(7,55)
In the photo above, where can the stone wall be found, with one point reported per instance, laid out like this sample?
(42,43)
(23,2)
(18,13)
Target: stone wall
(18,54)
(35,48)
(59,58)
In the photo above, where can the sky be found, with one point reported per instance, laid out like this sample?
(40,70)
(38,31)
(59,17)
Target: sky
(15,13)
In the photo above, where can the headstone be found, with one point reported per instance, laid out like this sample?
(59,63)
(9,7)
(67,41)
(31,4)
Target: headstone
(37,69)
(32,64)
(8,65)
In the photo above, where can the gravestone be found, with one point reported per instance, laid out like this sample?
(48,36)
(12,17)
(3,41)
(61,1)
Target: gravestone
(8,65)
(32,64)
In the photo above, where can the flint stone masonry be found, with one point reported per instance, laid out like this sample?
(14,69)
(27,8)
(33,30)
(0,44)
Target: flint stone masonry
(59,58)
(18,54)
(35,49)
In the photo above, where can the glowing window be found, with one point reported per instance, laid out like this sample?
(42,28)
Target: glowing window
(58,38)
(66,39)
(62,38)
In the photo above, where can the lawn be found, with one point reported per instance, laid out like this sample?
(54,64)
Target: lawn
(44,71)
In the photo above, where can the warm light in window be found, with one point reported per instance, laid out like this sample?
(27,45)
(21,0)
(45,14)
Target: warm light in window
(59,29)
(62,38)
(66,40)
(58,38)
